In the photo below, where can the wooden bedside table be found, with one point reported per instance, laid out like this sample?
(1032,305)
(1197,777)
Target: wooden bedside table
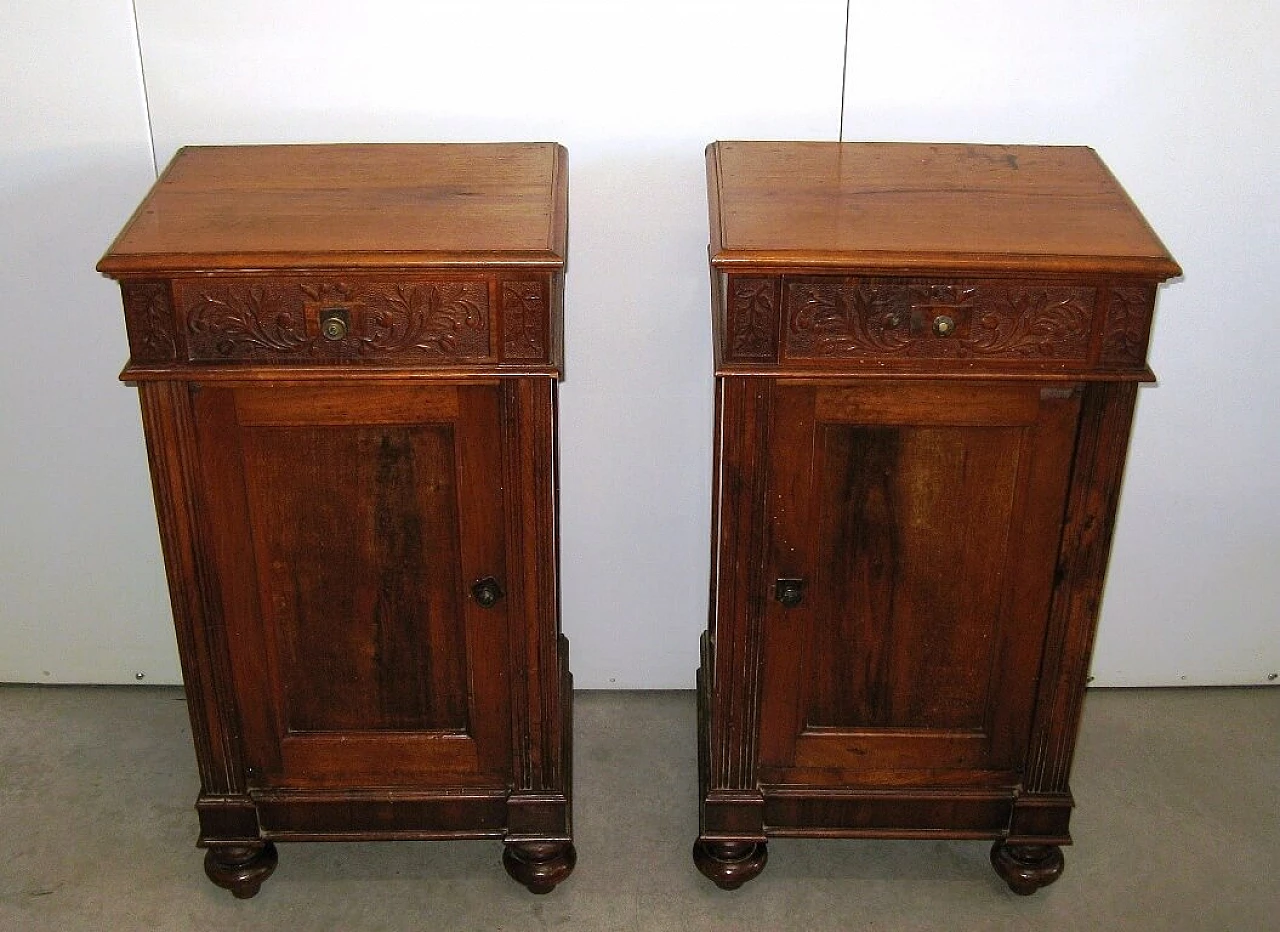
(926,358)
(347,358)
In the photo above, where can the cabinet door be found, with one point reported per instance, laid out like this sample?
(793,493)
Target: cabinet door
(349,526)
(922,522)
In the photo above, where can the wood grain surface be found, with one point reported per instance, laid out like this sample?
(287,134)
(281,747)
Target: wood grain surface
(899,206)
(350,207)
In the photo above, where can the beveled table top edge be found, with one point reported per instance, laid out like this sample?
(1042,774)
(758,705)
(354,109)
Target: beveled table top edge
(771,262)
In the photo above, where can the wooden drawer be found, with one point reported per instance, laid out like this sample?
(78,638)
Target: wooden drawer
(850,318)
(882,323)
(395,321)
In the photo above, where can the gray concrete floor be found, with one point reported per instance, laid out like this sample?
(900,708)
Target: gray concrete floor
(1178,795)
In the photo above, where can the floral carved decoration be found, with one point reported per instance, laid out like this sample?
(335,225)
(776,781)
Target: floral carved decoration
(149,321)
(254,321)
(440,319)
(1128,327)
(752,318)
(1049,323)
(848,318)
(247,320)
(524,320)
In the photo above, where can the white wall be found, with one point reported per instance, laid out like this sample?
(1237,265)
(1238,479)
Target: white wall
(82,595)
(1178,99)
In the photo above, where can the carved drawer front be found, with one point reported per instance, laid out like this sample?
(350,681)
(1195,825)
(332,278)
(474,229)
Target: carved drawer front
(389,321)
(895,318)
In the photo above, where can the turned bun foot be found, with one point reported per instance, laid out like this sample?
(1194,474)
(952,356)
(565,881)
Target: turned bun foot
(539,865)
(730,864)
(240,868)
(1027,868)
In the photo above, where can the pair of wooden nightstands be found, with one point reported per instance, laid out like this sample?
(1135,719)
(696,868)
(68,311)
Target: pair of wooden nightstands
(926,365)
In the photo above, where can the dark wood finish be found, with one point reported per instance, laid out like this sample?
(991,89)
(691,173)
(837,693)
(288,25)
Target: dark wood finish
(730,864)
(1027,868)
(347,359)
(539,865)
(922,517)
(240,868)
(927,358)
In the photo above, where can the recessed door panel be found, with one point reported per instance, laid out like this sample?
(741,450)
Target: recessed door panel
(914,526)
(921,521)
(356,550)
(356,523)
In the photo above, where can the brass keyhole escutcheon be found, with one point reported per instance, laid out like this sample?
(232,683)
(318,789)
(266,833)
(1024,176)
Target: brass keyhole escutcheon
(333,324)
(943,325)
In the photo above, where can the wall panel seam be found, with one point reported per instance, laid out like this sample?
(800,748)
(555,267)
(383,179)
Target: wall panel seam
(146,91)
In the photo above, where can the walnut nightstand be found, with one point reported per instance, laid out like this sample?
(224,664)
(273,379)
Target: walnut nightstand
(347,357)
(926,358)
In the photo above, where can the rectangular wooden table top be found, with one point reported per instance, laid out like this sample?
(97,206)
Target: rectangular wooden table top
(366,206)
(877,207)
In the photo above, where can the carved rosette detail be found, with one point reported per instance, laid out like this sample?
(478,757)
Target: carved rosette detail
(524,320)
(149,320)
(1124,342)
(870,317)
(443,320)
(752,319)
